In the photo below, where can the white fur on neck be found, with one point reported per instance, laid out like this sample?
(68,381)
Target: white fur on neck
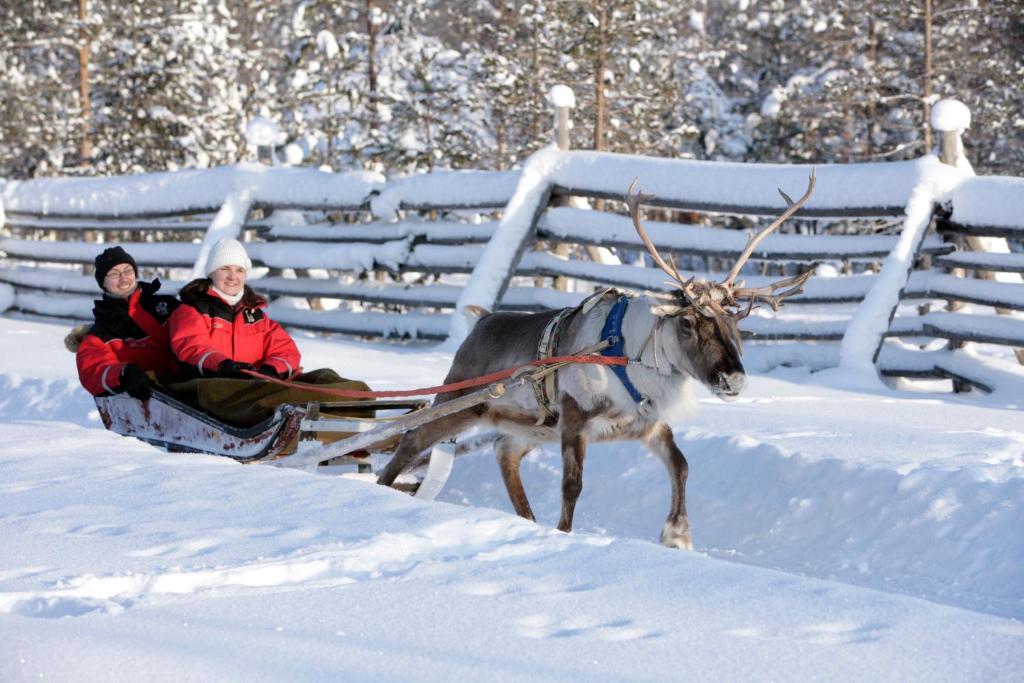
(230,299)
(670,390)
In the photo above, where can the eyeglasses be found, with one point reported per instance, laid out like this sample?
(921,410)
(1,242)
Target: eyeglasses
(118,274)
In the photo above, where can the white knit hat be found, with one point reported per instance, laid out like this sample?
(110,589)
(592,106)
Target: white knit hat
(227,252)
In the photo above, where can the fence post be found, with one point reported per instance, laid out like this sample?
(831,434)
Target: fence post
(948,119)
(951,118)
(564,100)
(263,136)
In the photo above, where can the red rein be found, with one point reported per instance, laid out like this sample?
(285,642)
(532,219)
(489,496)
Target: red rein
(444,388)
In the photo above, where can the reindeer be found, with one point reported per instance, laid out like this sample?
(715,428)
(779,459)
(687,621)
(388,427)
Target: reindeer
(671,339)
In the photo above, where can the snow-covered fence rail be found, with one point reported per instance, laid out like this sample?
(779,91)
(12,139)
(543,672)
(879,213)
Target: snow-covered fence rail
(327,239)
(949,187)
(850,205)
(308,228)
(980,284)
(848,208)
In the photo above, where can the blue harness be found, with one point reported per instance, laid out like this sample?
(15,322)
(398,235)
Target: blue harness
(612,332)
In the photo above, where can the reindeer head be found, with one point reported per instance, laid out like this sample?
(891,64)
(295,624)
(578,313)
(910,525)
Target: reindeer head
(702,317)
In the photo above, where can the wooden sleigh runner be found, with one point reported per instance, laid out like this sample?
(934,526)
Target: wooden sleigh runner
(297,435)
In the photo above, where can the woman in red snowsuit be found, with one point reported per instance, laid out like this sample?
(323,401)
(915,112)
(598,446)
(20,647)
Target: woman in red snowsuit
(221,328)
(129,336)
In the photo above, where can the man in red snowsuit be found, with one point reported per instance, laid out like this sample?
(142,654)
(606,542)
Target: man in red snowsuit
(129,337)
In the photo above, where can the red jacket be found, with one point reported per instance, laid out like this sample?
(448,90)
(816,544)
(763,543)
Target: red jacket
(132,330)
(206,331)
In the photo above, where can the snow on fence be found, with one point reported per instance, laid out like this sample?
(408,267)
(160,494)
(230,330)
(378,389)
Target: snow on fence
(316,234)
(355,253)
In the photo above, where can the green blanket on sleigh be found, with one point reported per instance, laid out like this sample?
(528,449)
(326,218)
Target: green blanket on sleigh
(247,402)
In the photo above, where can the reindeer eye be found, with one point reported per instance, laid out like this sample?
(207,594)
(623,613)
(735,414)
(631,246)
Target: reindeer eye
(687,323)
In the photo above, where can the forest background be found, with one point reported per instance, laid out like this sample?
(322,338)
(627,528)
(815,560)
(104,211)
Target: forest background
(99,87)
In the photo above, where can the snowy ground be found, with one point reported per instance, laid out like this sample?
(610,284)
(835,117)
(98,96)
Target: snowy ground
(840,536)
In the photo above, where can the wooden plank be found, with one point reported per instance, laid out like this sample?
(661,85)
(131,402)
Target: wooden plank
(817,291)
(1011,333)
(103,225)
(332,327)
(970,290)
(50,280)
(421,232)
(774,329)
(786,255)
(600,228)
(950,228)
(449,206)
(410,296)
(961,327)
(156,254)
(935,372)
(413,325)
(269,207)
(865,212)
(130,215)
(66,306)
(976,260)
(1014,340)
(946,364)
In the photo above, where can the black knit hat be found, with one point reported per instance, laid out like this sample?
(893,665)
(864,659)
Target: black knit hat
(112,256)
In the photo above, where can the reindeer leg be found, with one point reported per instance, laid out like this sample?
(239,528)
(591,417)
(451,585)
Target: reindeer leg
(676,532)
(574,448)
(420,439)
(510,452)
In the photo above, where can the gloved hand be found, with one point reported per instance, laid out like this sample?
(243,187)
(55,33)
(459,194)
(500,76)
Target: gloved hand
(233,369)
(271,371)
(135,382)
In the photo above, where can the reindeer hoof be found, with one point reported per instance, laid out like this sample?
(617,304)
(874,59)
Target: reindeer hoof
(676,536)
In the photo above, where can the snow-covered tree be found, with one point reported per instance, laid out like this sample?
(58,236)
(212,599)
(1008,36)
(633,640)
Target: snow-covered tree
(166,90)
(40,111)
(416,84)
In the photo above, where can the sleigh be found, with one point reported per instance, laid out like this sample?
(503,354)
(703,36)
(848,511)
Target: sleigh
(298,435)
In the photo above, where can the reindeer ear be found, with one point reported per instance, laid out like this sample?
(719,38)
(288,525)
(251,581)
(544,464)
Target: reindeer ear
(690,320)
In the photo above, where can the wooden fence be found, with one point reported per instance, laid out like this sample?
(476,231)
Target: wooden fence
(358,255)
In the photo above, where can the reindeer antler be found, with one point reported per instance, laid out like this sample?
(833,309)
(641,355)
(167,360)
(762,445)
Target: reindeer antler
(767,293)
(756,239)
(633,199)
(712,297)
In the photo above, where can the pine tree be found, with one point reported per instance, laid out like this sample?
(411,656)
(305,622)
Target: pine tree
(40,112)
(166,92)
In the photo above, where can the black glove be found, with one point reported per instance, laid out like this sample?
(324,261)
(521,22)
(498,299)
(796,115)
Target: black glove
(135,383)
(233,369)
(271,371)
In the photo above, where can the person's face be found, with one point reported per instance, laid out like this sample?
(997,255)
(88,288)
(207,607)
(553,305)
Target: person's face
(120,281)
(229,279)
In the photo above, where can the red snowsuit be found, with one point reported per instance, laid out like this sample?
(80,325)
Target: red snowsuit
(131,330)
(206,330)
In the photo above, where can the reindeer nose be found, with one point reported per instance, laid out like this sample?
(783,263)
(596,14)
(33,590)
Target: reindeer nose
(730,384)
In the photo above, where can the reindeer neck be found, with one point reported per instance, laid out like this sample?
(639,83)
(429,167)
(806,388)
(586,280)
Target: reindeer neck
(642,343)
